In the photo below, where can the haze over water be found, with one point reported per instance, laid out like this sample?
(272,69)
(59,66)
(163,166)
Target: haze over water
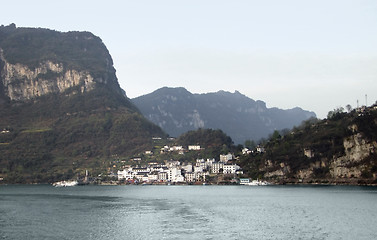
(187,212)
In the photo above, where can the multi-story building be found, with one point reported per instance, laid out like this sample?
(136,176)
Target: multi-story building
(226,157)
(230,168)
(217,167)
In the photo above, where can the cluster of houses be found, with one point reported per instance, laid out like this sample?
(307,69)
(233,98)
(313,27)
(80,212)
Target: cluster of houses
(175,172)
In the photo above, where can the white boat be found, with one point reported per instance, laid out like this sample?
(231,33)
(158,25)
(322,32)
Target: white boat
(65,183)
(257,183)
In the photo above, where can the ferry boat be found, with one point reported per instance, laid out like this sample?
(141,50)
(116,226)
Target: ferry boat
(258,183)
(65,183)
(246,181)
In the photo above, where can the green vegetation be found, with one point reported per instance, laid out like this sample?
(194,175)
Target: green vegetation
(58,136)
(323,138)
(77,50)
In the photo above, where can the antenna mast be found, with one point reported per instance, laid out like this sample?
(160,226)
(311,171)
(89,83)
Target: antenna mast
(366,100)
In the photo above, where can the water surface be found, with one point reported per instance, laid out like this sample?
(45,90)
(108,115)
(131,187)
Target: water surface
(188,212)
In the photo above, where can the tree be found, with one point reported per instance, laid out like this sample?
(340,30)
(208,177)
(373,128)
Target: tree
(335,113)
(349,108)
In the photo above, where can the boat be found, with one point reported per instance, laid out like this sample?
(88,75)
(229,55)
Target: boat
(70,183)
(257,183)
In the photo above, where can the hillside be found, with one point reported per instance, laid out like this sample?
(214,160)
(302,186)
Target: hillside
(341,149)
(61,108)
(176,110)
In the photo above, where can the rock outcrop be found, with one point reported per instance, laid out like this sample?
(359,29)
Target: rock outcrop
(61,107)
(21,83)
(341,150)
(351,165)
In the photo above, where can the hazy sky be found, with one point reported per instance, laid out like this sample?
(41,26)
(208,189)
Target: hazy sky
(315,54)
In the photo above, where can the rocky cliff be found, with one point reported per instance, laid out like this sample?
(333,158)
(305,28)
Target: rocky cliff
(61,107)
(36,62)
(21,83)
(341,150)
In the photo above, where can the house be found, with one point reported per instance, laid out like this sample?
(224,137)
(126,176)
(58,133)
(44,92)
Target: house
(125,174)
(225,158)
(187,168)
(141,170)
(260,149)
(308,153)
(201,176)
(172,163)
(246,151)
(194,147)
(176,148)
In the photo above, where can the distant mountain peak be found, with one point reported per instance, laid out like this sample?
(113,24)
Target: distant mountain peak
(240,117)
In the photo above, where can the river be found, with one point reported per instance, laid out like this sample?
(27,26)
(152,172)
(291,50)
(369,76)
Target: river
(188,212)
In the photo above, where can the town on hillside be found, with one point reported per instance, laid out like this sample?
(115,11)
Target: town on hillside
(202,171)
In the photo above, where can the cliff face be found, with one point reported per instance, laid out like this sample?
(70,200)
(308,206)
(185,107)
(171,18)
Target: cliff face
(61,107)
(353,164)
(21,83)
(36,62)
(342,150)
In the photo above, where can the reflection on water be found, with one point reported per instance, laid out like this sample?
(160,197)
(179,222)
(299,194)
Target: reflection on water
(187,212)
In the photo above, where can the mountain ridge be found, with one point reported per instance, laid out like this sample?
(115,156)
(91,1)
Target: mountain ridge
(176,110)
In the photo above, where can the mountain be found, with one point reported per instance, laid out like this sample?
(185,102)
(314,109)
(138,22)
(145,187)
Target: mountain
(339,150)
(61,108)
(176,110)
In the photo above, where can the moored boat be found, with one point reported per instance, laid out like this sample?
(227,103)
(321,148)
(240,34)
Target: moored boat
(257,183)
(70,183)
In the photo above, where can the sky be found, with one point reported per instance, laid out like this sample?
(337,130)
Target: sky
(315,54)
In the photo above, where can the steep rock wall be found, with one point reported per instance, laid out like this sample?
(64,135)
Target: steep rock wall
(351,164)
(21,83)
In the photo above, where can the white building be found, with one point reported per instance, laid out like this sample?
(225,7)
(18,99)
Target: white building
(198,169)
(230,168)
(174,175)
(260,149)
(194,147)
(152,177)
(217,167)
(187,168)
(246,151)
(226,158)
(125,174)
(142,177)
(163,176)
(175,148)
(190,177)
